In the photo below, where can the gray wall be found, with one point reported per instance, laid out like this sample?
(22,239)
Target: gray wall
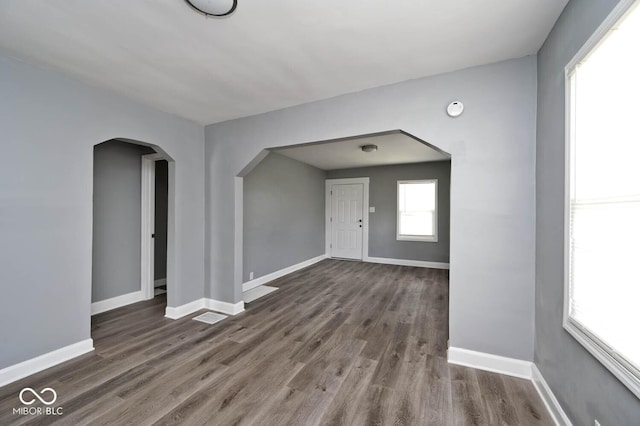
(383,195)
(583,386)
(160,220)
(50,124)
(283,215)
(116,219)
(492,187)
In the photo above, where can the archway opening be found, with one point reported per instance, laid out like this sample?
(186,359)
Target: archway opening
(133,214)
(286,214)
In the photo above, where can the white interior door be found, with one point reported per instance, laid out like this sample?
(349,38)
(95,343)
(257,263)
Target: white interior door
(346,221)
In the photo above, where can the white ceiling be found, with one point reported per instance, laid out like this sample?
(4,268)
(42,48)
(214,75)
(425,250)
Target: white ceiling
(269,54)
(393,148)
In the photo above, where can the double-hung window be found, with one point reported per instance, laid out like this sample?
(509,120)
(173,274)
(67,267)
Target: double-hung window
(418,210)
(602,216)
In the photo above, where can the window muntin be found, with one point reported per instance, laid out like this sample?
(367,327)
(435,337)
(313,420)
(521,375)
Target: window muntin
(417,210)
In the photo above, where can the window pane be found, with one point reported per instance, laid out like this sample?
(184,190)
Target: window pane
(604,240)
(416,208)
(607,127)
(606,291)
(418,197)
(416,223)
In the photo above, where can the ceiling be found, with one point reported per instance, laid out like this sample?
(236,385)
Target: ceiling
(393,148)
(269,54)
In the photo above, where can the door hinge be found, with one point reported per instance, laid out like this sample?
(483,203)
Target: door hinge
(330,245)
(330,192)
(330,219)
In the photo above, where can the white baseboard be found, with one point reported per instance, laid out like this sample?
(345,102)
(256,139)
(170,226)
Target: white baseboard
(160,282)
(488,362)
(549,399)
(204,303)
(224,307)
(116,302)
(282,272)
(34,365)
(512,367)
(405,262)
(184,310)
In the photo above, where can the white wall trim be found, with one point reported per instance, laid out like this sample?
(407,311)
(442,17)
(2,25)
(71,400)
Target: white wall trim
(34,365)
(160,282)
(204,303)
(365,212)
(489,362)
(511,367)
(407,262)
(224,307)
(184,310)
(282,272)
(116,302)
(147,222)
(549,399)
(238,247)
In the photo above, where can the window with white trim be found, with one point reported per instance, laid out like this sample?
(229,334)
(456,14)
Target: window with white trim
(417,210)
(602,283)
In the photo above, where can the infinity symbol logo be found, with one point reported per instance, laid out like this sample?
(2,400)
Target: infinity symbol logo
(32,400)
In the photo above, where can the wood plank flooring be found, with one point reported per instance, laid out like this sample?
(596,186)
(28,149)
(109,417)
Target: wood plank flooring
(341,343)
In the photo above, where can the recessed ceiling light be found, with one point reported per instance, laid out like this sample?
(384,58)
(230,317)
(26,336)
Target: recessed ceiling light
(369,148)
(214,7)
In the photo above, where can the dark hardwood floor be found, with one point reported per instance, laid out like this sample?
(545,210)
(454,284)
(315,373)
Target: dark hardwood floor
(340,343)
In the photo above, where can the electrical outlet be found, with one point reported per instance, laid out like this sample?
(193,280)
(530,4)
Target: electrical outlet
(250,275)
(596,422)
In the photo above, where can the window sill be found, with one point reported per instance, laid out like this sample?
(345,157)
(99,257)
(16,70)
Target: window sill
(624,374)
(415,238)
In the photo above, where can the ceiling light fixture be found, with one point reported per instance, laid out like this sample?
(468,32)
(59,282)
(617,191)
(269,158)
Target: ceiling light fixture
(216,8)
(455,109)
(369,148)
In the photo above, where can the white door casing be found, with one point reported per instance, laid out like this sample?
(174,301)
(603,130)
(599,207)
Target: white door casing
(347,218)
(148,224)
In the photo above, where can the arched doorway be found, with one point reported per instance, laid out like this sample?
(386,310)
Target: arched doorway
(133,209)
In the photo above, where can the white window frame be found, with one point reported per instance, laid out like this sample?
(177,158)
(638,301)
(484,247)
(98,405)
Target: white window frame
(423,238)
(614,362)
